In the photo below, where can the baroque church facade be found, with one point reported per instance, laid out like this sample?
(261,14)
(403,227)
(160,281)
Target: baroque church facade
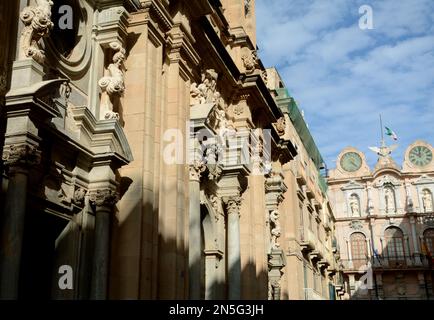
(384,222)
(148,152)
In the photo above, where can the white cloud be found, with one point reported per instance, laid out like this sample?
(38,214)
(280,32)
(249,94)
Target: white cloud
(343,77)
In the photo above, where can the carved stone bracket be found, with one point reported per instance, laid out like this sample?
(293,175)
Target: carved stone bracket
(103,197)
(38,24)
(21,155)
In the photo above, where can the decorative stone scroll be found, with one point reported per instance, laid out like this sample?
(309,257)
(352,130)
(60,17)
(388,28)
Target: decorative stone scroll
(103,197)
(206,91)
(113,84)
(21,155)
(38,24)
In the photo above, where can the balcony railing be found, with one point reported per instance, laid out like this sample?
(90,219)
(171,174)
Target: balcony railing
(311,294)
(389,262)
(307,239)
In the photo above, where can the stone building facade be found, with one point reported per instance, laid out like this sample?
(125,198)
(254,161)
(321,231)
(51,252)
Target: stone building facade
(146,150)
(384,222)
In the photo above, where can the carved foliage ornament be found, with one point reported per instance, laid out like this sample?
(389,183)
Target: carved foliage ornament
(233,205)
(103,197)
(38,24)
(24,154)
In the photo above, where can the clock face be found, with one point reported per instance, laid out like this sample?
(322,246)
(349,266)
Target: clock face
(420,156)
(351,161)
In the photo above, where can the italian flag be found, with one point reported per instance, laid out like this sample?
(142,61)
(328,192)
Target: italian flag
(391,133)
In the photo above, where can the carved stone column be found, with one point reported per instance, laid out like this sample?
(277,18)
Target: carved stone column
(19,159)
(103,200)
(194,251)
(233,243)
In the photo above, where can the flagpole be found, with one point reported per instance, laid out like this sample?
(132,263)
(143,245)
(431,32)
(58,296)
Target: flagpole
(382,133)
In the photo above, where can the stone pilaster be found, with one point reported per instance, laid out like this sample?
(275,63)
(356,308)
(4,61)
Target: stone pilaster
(194,251)
(233,244)
(19,159)
(103,201)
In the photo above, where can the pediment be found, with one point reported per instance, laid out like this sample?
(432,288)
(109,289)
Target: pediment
(424,179)
(352,185)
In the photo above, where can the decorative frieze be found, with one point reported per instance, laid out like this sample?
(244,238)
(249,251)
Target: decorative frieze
(103,197)
(38,24)
(21,155)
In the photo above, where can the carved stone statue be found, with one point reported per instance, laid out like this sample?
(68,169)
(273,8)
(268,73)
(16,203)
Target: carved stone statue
(275,229)
(389,199)
(37,24)
(113,84)
(280,126)
(427,201)
(206,91)
(354,205)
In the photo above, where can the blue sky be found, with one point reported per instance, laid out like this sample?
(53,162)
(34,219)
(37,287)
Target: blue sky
(343,77)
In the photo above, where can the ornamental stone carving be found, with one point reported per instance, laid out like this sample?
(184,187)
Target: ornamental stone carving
(233,205)
(21,155)
(206,91)
(250,60)
(113,84)
(275,229)
(427,200)
(196,169)
(37,25)
(79,195)
(356,225)
(280,126)
(103,197)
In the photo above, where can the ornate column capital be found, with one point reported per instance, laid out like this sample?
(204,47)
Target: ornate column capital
(233,204)
(103,197)
(196,169)
(24,155)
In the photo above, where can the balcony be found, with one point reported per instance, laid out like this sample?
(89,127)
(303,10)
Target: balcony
(307,239)
(418,261)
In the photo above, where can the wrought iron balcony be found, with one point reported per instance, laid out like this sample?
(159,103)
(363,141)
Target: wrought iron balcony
(415,261)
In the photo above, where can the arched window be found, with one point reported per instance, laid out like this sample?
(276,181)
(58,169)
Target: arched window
(359,250)
(354,204)
(389,200)
(428,236)
(427,205)
(395,244)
